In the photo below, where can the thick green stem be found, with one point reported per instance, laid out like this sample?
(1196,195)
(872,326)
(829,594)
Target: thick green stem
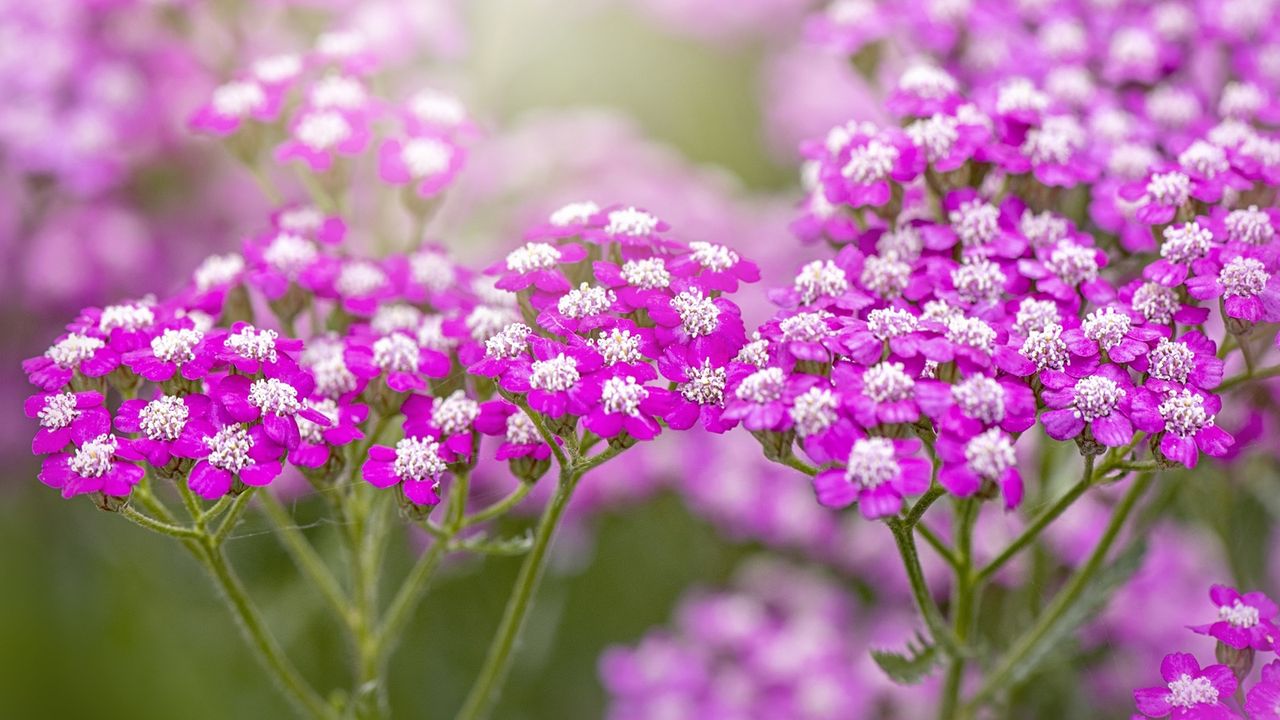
(1066,598)
(269,652)
(305,556)
(905,541)
(963,604)
(488,684)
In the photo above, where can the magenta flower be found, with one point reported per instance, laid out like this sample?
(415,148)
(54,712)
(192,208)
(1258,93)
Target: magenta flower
(924,90)
(168,427)
(638,283)
(435,112)
(274,401)
(398,359)
(279,260)
(803,336)
(450,420)
(1158,304)
(877,473)
(1250,291)
(573,220)
(1190,361)
(72,354)
(318,440)
(1263,700)
(504,350)
(537,264)
(978,402)
(1112,334)
(360,285)
(1183,246)
(235,452)
(985,457)
(309,222)
(700,390)
(761,397)
(66,417)
(977,226)
(1244,621)
(867,163)
(628,406)
(711,326)
(234,103)
(429,163)
(1067,271)
(1159,197)
(559,379)
(251,351)
(520,437)
(1189,693)
(583,309)
(415,465)
(101,465)
(174,351)
(125,327)
(317,137)
(715,267)
(883,393)
(1099,402)
(1187,420)
(627,226)
(846,26)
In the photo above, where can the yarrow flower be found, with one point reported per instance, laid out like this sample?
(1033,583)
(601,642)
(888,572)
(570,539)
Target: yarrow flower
(1190,692)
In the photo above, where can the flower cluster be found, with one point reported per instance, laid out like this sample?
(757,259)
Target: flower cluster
(1244,625)
(970,297)
(621,326)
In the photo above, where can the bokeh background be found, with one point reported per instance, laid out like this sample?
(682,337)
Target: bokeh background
(691,108)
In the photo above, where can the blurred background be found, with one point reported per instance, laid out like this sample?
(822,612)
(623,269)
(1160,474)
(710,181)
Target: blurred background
(693,109)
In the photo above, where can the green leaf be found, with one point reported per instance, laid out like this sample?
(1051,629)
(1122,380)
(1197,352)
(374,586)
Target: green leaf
(1105,583)
(517,545)
(910,667)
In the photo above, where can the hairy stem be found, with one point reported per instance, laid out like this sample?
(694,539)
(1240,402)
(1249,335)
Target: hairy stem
(305,556)
(933,619)
(488,684)
(1040,522)
(259,638)
(1066,598)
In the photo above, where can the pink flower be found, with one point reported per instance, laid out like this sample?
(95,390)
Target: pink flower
(876,473)
(66,417)
(428,162)
(100,465)
(1244,621)
(1190,693)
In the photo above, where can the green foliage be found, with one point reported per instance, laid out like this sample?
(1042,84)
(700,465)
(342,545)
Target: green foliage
(910,667)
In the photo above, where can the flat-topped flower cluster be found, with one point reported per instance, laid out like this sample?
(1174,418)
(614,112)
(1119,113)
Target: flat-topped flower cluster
(600,317)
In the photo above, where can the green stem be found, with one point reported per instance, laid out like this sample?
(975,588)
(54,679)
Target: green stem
(1038,525)
(406,600)
(938,546)
(1066,598)
(304,555)
(269,652)
(238,507)
(488,684)
(962,612)
(1234,380)
(150,523)
(933,619)
(500,507)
